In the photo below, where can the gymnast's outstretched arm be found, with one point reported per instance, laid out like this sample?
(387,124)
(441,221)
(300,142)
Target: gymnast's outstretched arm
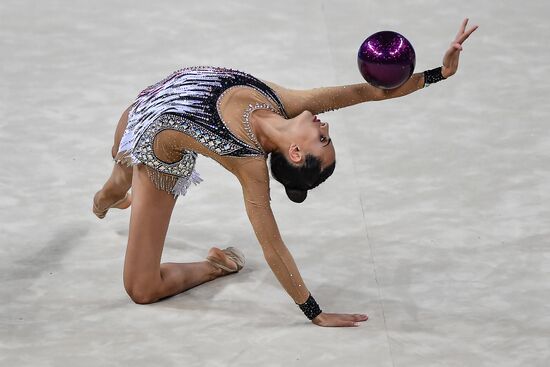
(254,178)
(323,99)
(319,100)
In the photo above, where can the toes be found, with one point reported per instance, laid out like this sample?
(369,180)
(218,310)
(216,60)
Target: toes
(223,259)
(214,251)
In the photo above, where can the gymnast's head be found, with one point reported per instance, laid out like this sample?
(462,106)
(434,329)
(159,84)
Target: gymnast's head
(305,158)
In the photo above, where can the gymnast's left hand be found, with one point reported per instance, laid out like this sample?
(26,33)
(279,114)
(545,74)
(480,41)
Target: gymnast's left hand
(450,60)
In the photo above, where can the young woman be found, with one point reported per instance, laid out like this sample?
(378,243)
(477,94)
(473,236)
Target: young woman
(237,120)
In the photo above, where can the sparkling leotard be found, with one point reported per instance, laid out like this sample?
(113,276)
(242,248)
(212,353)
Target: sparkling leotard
(187,101)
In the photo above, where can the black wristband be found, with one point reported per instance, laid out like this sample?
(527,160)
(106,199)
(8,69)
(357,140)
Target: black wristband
(310,308)
(432,76)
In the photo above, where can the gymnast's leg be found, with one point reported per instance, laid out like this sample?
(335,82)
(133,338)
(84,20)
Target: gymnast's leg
(145,279)
(120,181)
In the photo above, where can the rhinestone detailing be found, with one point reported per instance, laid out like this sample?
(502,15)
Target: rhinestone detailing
(145,154)
(310,308)
(266,96)
(246,122)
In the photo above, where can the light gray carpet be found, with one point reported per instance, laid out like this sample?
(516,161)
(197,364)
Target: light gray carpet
(435,223)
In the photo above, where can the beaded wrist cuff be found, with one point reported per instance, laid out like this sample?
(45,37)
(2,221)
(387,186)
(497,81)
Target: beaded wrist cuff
(432,76)
(310,308)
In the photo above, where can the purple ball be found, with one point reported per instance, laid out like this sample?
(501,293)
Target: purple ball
(386,59)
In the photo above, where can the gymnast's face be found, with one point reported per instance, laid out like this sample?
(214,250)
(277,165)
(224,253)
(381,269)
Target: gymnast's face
(311,136)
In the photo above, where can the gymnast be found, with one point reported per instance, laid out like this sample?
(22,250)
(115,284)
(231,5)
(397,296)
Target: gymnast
(245,124)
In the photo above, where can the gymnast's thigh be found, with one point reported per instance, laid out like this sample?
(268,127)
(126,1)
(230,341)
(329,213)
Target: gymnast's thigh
(149,219)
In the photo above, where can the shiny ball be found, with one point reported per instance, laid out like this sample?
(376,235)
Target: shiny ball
(386,59)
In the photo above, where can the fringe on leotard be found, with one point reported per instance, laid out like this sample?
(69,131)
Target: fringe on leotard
(165,182)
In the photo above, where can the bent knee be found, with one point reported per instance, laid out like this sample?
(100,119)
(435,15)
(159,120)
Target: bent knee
(142,295)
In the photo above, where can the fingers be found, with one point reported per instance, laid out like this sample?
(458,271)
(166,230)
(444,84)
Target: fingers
(345,323)
(349,320)
(463,34)
(356,317)
(466,34)
(462,28)
(351,316)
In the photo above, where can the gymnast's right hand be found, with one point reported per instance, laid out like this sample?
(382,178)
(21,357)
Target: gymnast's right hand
(339,319)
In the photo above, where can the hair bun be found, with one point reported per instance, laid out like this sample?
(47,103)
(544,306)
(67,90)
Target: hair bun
(296,195)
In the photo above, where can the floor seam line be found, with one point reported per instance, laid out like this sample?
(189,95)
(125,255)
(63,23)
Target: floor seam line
(362,209)
(375,274)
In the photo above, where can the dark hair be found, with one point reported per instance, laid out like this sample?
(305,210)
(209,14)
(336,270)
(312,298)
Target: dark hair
(298,179)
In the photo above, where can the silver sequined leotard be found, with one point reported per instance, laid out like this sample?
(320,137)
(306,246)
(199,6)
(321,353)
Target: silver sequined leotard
(186,101)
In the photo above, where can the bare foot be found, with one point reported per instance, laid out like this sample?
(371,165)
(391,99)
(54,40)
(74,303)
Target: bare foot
(103,202)
(220,257)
